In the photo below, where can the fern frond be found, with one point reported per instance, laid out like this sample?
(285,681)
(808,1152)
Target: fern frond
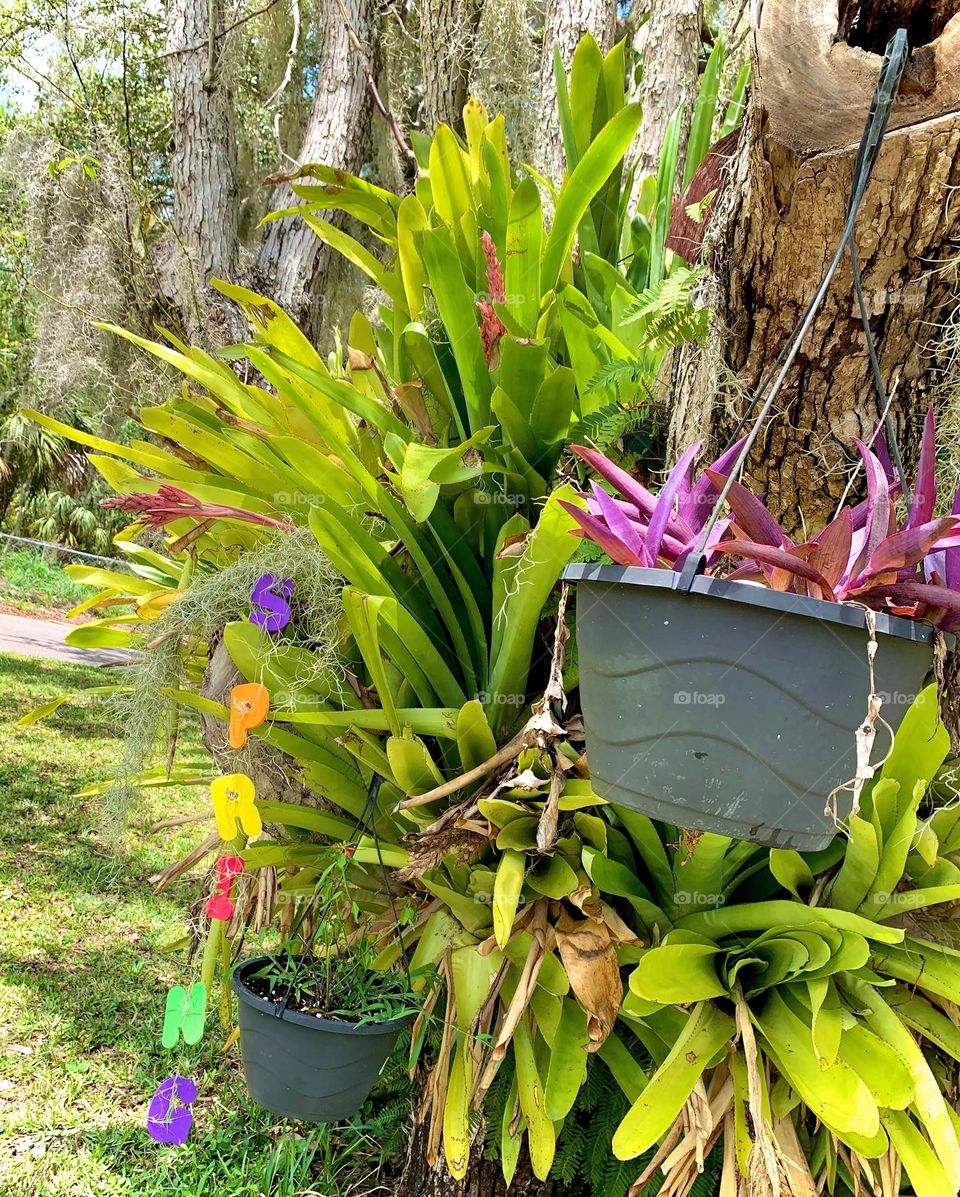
(614,422)
(664,315)
(632,370)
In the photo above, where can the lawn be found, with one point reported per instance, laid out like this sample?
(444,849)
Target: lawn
(31,583)
(83,981)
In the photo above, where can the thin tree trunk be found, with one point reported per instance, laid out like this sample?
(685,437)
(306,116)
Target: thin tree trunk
(294,265)
(447,32)
(778,222)
(203,164)
(668,47)
(565,23)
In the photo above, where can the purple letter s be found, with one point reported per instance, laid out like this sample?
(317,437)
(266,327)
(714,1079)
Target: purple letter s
(276,610)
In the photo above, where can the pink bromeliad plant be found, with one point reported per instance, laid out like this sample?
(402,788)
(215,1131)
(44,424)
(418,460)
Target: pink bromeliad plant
(862,555)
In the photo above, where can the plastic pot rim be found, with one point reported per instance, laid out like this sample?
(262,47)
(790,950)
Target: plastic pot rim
(753,595)
(314,1021)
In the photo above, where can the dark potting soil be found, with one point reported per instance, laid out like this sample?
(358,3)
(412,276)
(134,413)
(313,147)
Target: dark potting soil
(355,994)
(306,993)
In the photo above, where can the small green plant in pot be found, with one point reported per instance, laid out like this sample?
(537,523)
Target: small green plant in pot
(317,1026)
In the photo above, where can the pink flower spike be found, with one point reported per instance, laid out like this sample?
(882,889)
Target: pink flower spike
(492,328)
(495,285)
(170,503)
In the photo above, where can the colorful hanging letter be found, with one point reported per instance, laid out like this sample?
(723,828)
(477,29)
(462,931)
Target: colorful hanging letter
(184,1014)
(166,1122)
(219,905)
(233,796)
(271,594)
(249,704)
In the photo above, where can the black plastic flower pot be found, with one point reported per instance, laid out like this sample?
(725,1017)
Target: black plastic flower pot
(731,707)
(301,1066)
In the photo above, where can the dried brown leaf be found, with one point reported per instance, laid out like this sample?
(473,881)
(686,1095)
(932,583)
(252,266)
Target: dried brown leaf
(793,1162)
(619,931)
(547,827)
(513,546)
(590,960)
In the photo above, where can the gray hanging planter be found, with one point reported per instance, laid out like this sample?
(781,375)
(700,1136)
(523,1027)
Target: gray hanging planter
(731,707)
(305,1067)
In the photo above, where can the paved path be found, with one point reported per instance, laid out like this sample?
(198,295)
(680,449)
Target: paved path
(45,638)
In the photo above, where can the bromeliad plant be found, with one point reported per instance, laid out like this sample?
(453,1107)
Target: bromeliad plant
(426,471)
(474,236)
(861,555)
(803,1005)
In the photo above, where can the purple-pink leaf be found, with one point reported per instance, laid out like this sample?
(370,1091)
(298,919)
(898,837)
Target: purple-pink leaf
(670,547)
(712,549)
(644,501)
(924,498)
(600,534)
(879,446)
(751,516)
(833,547)
(618,523)
(908,547)
(877,517)
(703,495)
(783,559)
(948,560)
(744,572)
(661,518)
(686,485)
(941,598)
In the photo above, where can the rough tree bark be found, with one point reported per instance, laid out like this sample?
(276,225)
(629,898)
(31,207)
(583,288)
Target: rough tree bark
(780,219)
(565,23)
(447,31)
(293,265)
(203,166)
(668,47)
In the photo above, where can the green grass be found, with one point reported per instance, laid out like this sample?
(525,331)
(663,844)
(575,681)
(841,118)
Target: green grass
(83,981)
(28,581)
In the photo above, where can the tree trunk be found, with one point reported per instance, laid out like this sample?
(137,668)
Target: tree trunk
(668,47)
(294,265)
(503,70)
(779,220)
(565,23)
(447,32)
(203,166)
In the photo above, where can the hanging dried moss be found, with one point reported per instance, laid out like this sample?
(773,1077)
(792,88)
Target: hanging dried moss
(505,68)
(194,624)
